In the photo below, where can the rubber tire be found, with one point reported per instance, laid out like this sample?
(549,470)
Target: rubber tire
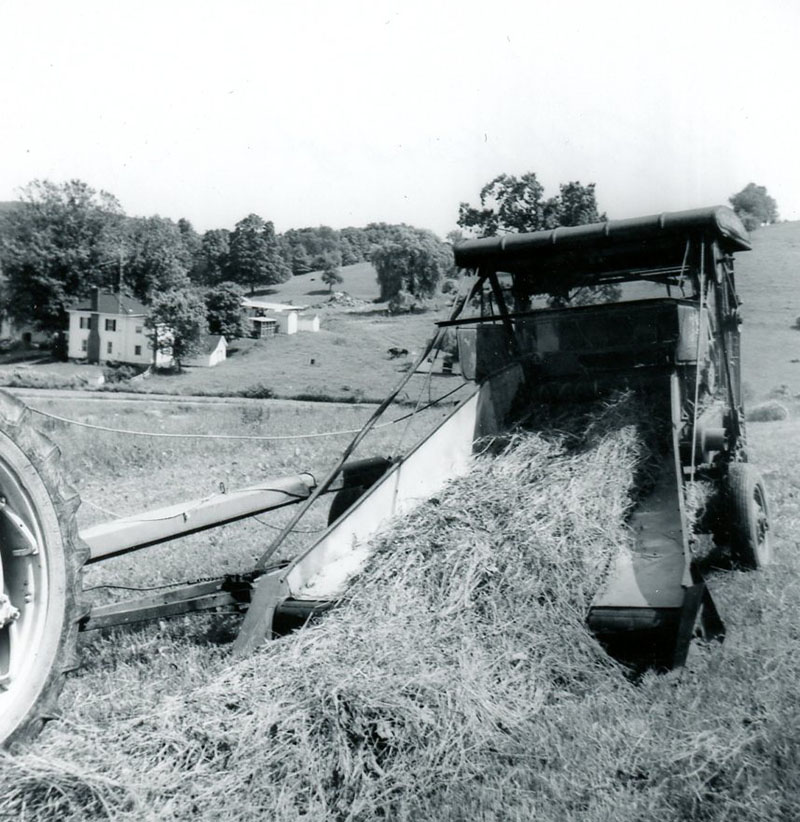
(749,517)
(32,481)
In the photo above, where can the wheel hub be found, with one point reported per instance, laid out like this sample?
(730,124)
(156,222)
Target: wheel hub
(8,613)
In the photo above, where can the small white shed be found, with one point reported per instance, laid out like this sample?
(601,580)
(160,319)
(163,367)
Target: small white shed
(308,322)
(289,318)
(213,350)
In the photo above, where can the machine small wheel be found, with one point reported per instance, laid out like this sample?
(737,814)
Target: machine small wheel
(41,559)
(749,517)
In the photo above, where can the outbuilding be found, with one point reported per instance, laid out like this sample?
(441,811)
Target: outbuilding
(212,351)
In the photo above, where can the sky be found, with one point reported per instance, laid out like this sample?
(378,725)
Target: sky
(347,112)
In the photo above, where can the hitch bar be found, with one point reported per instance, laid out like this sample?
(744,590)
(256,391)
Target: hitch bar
(231,594)
(119,536)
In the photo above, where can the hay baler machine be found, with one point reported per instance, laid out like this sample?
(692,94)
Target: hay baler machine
(531,335)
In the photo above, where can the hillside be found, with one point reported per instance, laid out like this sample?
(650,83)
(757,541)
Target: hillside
(767,279)
(359,281)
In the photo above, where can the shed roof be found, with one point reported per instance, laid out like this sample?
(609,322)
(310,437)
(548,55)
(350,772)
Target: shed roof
(247,302)
(209,343)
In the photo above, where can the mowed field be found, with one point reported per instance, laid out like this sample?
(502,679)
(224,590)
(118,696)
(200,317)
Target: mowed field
(141,735)
(161,723)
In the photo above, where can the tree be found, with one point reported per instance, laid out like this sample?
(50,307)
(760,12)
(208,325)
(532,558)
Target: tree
(177,323)
(224,310)
(517,204)
(331,275)
(308,249)
(354,245)
(157,258)
(59,242)
(414,262)
(513,205)
(577,205)
(193,244)
(215,254)
(255,254)
(754,206)
(509,204)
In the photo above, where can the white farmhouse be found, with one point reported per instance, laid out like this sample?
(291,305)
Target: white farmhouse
(111,327)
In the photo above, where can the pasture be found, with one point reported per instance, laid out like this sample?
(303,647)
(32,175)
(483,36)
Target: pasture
(473,707)
(457,680)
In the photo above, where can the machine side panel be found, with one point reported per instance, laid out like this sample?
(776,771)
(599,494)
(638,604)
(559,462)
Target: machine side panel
(324,570)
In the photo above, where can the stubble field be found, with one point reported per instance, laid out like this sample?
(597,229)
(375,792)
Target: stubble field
(458,682)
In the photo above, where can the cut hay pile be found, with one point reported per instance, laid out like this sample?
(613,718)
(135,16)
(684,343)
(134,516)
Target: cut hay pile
(447,685)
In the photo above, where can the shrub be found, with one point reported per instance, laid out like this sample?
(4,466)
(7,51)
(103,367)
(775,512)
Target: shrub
(259,391)
(405,303)
(121,371)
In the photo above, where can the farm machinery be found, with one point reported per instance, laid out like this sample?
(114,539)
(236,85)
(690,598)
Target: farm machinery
(563,316)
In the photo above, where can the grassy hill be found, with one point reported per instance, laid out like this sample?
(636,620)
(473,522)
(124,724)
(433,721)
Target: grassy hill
(346,360)
(359,281)
(767,279)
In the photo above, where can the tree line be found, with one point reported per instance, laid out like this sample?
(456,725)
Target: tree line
(59,241)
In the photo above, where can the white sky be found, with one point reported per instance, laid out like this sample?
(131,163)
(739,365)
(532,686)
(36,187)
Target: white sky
(345,112)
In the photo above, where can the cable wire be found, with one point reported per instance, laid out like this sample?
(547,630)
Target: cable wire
(257,437)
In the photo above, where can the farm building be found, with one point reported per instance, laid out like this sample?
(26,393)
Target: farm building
(288,319)
(111,327)
(213,350)
(263,327)
(26,334)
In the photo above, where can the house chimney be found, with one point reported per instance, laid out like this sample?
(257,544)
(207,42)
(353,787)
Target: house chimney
(95,298)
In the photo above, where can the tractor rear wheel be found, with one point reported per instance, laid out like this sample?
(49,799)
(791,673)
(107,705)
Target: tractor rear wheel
(41,560)
(749,517)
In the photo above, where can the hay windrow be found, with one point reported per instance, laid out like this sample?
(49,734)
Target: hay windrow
(443,675)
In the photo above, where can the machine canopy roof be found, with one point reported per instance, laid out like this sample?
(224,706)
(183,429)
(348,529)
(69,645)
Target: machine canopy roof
(637,242)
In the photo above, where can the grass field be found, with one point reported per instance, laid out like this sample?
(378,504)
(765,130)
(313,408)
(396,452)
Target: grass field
(460,682)
(160,723)
(347,359)
(767,281)
(359,281)
(147,473)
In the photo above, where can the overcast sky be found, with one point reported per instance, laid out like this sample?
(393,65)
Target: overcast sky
(345,112)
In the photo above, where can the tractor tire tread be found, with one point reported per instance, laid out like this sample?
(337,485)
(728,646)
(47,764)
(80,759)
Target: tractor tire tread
(45,457)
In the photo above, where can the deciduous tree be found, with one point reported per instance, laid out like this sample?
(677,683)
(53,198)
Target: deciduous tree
(414,261)
(156,258)
(177,323)
(510,204)
(331,275)
(255,257)
(754,206)
(224,310)
(215,254)
(59,242)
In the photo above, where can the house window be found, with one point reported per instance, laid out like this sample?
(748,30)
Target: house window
(138,329)
(86,322)
(111,325)
(137,350)
(84,345)
(109,348)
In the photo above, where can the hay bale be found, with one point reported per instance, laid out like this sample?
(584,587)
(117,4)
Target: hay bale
(771,411)
(427,691)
